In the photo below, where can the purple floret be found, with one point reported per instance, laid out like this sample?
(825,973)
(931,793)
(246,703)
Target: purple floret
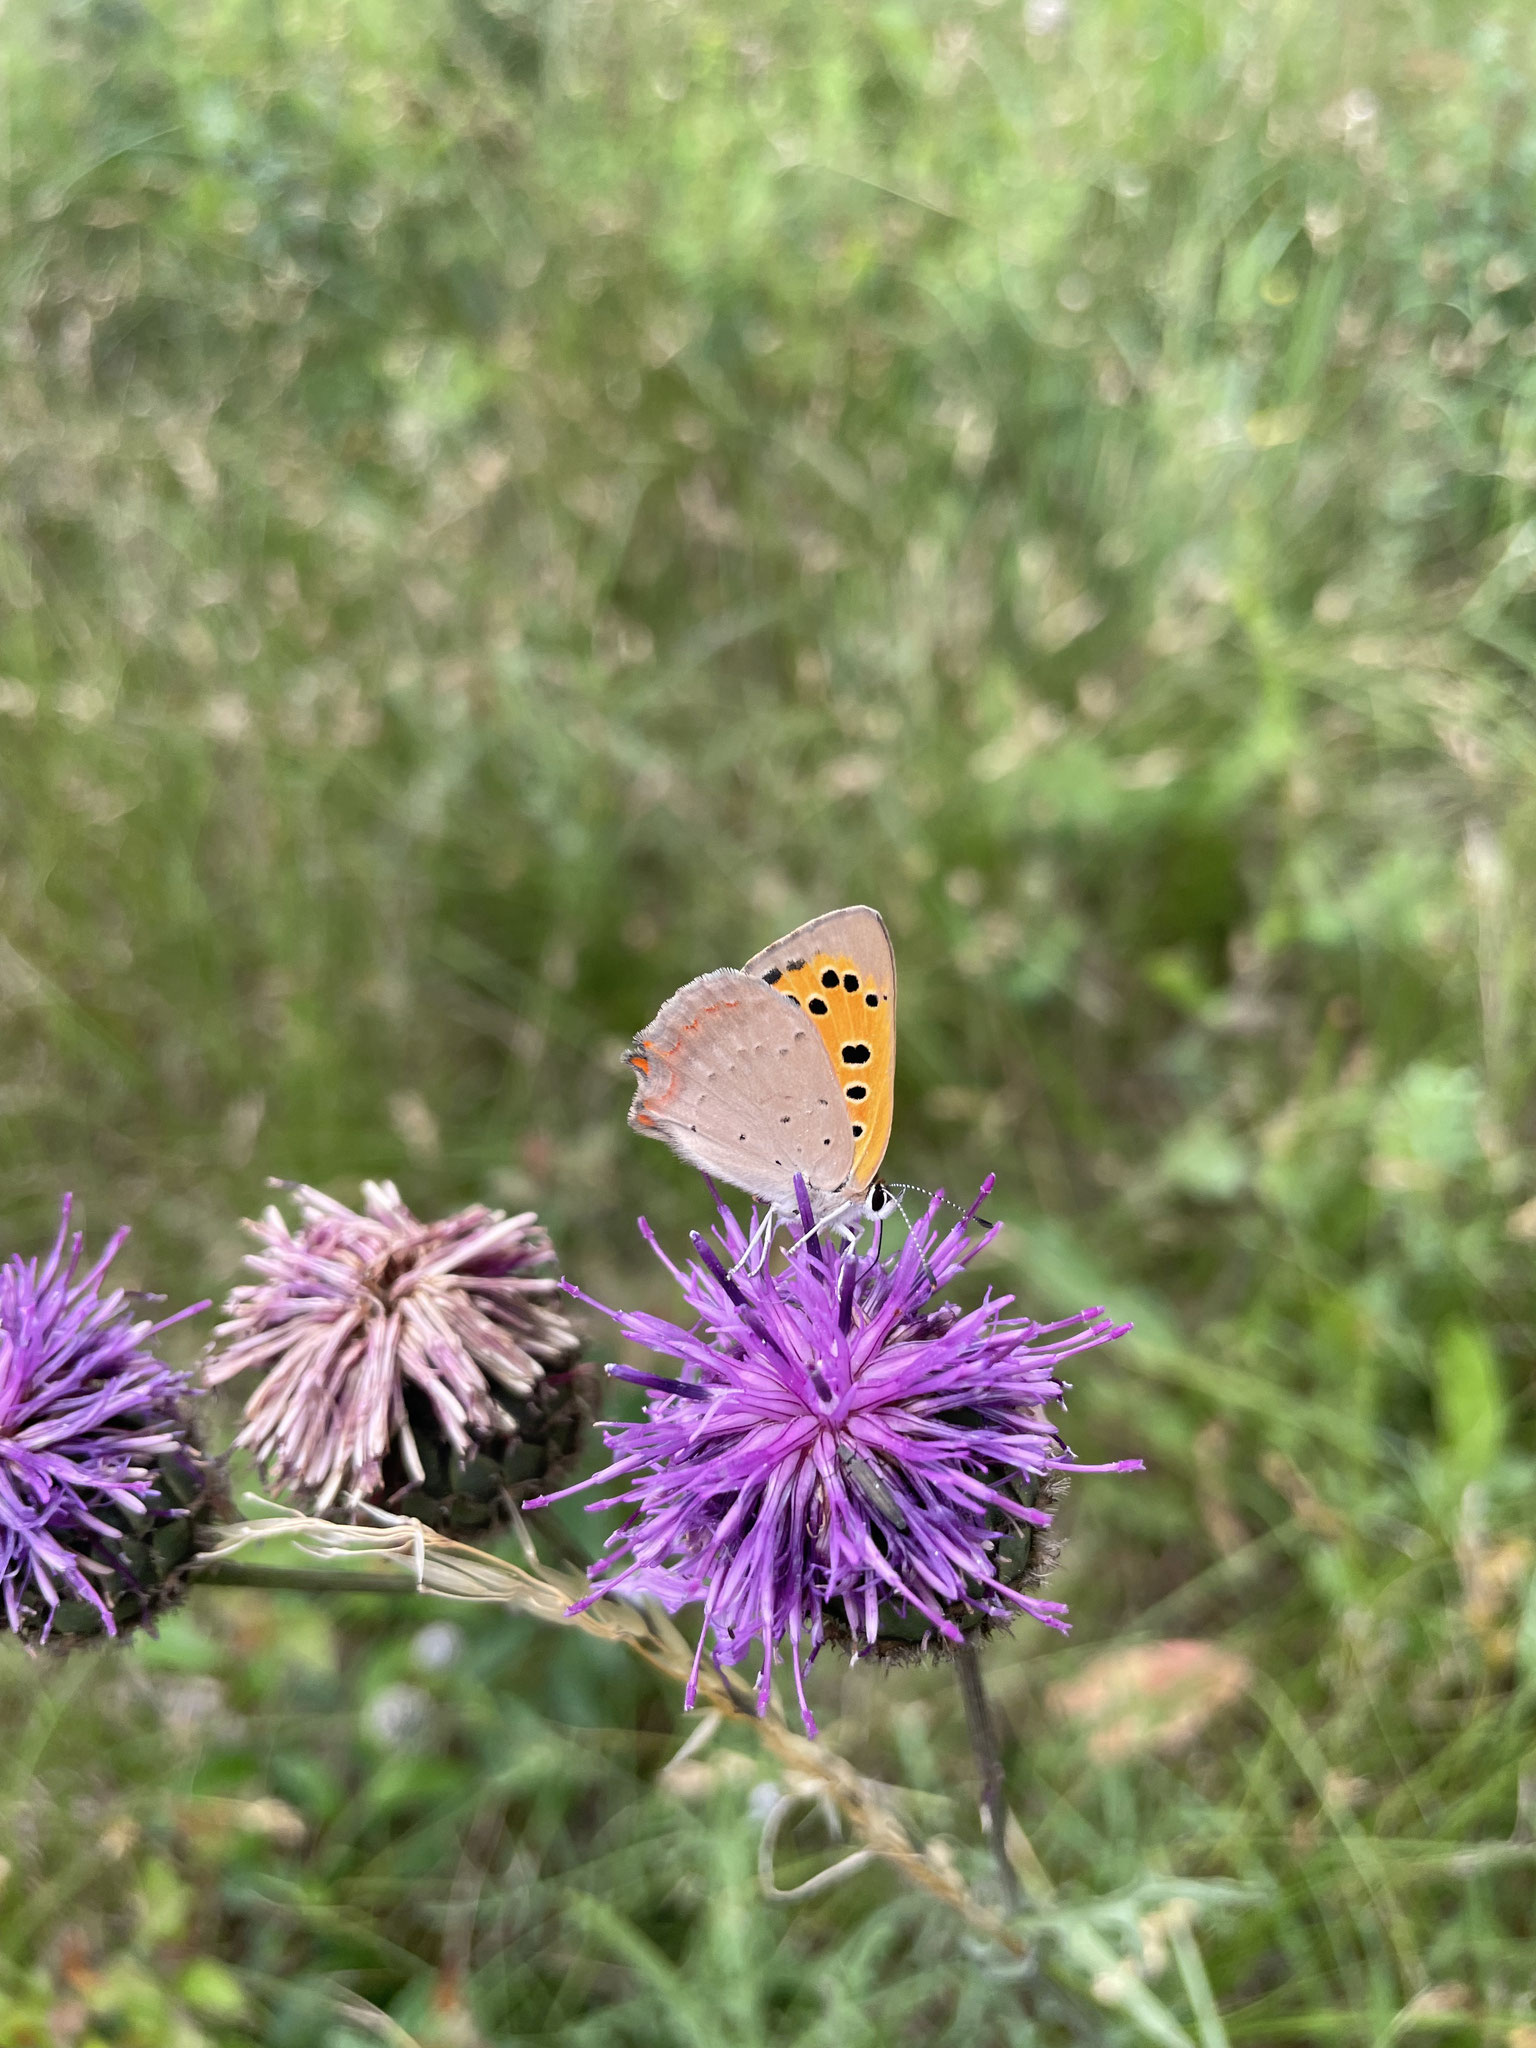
(836,1440)
(85,1410)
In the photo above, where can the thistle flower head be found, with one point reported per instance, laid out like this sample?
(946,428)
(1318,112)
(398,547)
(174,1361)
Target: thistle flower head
(95,1457)
(840,1447)
(422,1364)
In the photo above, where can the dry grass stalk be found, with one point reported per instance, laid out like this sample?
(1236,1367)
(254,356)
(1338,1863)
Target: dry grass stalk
(455,1571)
(809,1769)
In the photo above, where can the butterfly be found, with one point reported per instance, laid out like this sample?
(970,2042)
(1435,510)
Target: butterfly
(782,1067)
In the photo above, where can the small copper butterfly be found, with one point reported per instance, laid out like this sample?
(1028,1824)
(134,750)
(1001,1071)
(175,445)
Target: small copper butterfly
(782,1067)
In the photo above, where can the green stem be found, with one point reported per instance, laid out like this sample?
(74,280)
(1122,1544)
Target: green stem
(285,1578)
(989,1769)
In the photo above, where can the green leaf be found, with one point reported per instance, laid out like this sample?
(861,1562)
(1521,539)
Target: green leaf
(1469,1400)
(1204,1162)
(208,1987)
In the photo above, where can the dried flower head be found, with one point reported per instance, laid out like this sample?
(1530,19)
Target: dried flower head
(422,1366)
(841,1455)
(99,1478)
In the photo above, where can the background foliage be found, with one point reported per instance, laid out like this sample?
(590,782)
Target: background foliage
(510,503)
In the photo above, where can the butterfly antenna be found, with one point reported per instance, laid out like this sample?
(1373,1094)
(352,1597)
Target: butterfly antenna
(895,1190)
(907,1187)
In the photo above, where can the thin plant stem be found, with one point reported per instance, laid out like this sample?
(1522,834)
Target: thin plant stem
(872,1810)
(982,1730)
(284,1578)
(298,1578)
(456,1571)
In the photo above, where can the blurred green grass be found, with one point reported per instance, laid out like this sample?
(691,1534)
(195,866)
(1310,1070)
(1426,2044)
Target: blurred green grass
(509,505)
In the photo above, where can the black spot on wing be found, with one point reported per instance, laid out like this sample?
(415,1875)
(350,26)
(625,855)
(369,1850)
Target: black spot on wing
(855,1055)
(851,983)
(817,1007)
(855,1091)
(829,977)
(773,975)
(873,1000)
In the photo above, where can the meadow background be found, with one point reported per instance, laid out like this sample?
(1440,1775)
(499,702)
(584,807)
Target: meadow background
(510,503)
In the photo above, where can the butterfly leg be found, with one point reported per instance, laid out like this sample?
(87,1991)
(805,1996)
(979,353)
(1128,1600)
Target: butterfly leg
(846,1223)
(764,1230)
(805,1236)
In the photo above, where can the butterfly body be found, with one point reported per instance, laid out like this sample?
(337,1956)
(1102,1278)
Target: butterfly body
(782,1068)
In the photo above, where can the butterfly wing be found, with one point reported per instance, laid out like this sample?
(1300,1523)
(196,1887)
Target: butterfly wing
(841,971)
(737,1081)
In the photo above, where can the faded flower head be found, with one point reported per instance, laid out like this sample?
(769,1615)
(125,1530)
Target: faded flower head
(842,1457)
(99,1480)
(419,1366)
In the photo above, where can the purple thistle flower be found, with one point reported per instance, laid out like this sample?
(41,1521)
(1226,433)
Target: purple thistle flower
(838,1446)
(90,1420)
(419,1364)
